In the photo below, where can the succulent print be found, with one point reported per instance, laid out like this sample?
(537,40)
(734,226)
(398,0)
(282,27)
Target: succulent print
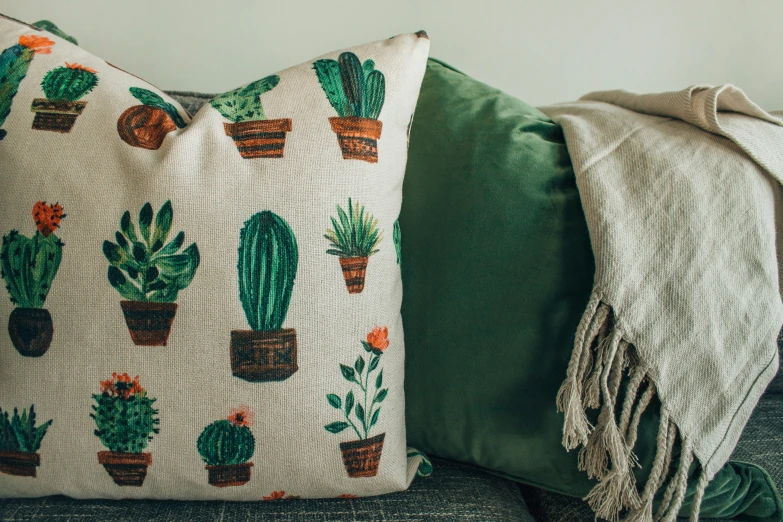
(353,238)
(20,440)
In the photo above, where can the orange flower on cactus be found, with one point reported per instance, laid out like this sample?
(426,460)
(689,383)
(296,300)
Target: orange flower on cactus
(80,67)
(275,495)
(378,339)
(241,416)
(39,44)
(47,218)
(121,385)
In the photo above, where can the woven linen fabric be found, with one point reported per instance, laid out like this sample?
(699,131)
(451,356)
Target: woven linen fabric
(454,493)
(680,192)
(203,308)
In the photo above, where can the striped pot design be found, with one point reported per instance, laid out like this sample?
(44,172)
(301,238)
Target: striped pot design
(260,138)
(19,464)
(126,469)
(149,324)
(56,115)
(362,457)
(263,355)
(354,272)
(229,475)
(358,137)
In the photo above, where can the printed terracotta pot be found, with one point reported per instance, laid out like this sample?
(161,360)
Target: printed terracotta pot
(358,137)
(260,138)
(144,126)
(265,355)
(31,330)
(354,272)
(149,324)
(362,457)
(56,115)
(230,475)
(19,463)
(126,469)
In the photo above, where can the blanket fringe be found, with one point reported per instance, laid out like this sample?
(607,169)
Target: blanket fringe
(601,361)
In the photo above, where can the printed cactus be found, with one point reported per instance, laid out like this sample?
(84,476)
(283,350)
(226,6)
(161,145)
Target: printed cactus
(228,441)
(268,259)
(69,83)
(352,88)
(29,265)
(51,27)
(14,63)
(142,266)
(397,238)
(150,99)
(124,415)
(19,432)
(244,103)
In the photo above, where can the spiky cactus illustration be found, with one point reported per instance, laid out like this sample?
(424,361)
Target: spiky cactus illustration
(69,83)
(356,91)
(124,415)
(226,442)
(29,264)
(14,63)
(353,88)
(268,259)
(244,103)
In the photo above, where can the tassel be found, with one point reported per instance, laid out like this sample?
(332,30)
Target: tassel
(701,487)
(679,483)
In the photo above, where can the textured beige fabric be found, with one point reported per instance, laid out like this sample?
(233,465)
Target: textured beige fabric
(680,192)
(96,177)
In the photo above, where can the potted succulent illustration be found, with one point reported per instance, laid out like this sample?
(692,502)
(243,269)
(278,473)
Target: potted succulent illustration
(145,126)
(362,456)
(14,63)
(226,446)
(149,272)
(356,91)
(268,259)
(20,440)
(28,266)
(126,421)
(254,135)
(353,239)
(63,87)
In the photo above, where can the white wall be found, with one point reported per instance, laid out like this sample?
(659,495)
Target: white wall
(543,51)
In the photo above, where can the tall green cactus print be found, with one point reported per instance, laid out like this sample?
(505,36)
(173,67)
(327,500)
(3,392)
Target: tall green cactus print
(14,63)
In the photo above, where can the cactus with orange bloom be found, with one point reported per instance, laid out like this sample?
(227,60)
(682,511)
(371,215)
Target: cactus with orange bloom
(14,63)
(64,87)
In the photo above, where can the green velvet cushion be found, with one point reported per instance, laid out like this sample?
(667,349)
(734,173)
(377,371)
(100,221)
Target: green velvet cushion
(497,269)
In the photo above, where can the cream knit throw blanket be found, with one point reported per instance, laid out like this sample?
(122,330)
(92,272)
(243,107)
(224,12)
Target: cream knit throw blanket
(680,191)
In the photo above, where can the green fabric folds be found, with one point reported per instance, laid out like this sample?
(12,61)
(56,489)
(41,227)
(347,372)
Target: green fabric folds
(497,271)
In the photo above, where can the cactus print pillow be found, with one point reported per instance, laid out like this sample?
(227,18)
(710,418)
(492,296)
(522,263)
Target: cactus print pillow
(202,307)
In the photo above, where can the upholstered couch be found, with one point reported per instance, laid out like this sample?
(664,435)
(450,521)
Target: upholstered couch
(454,492)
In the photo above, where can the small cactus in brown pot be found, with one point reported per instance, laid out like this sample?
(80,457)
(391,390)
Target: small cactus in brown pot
(64,87)
(353,239)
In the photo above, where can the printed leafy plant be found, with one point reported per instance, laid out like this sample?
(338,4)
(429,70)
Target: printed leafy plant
(69,83)
(150,99)
(143,267)
(19,432)
(365,413)
(397,238)
(356,234)
(228,441)
(268,259)
(28,265)
(244,103)
(124,415)
(352,88)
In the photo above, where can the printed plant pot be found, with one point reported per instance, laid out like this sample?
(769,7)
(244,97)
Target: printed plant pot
(230,475)
(31,330)
(144,127)
(19,464)
(358,137)
(126,469)
(149,324)
(260,138)
(362,457)
(261,356)
(56,115)
(354,272)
